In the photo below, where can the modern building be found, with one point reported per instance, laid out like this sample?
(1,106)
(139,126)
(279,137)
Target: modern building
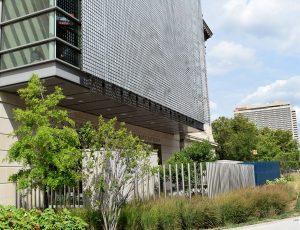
(140,61)
(295,124)
(277,115)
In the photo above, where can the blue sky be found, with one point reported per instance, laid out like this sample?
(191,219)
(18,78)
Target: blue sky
(254,55)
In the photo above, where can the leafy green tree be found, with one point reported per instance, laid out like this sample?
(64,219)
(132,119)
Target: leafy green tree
(278,145)
(114,158)
(243,139)
(285,140)
(222,132)
(236,138)
(267,147)
(195,152)
(48,144)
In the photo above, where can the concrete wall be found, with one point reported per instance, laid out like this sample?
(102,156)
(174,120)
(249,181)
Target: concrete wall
(169,143)
(7,190)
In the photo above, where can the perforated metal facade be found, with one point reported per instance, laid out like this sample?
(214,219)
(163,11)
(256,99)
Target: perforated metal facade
(154,48)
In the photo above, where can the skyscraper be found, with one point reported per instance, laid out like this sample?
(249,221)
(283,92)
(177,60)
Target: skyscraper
(140,61)
(278,115)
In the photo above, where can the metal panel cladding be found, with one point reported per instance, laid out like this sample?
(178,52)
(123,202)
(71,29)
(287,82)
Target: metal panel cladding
(154,48)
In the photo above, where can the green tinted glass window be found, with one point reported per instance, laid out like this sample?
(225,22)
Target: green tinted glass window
(16,8)
(28,31)
(27,56)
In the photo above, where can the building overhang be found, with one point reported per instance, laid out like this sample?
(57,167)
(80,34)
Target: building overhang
(95,96)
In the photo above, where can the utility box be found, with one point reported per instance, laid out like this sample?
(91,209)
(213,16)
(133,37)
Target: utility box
(264,171)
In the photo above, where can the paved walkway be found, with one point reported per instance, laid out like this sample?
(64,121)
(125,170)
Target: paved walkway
(286,224)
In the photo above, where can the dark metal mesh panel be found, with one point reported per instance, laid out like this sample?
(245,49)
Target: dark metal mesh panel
(67,29)
(70,6)
(67,53)
(151,47)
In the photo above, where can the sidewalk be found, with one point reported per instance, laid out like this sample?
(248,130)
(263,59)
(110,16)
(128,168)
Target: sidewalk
(288,224)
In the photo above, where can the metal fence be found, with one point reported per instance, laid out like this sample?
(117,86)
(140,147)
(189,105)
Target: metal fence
(185,180)
(173,180)
(70,197)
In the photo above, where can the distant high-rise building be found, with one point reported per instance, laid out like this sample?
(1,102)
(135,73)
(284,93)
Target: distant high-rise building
(295,124)
(278,115)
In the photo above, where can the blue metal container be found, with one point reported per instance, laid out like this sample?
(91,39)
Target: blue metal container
(265,171)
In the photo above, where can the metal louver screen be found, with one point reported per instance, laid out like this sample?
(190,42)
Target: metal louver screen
(154,48)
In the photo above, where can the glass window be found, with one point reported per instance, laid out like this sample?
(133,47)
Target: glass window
(16,8)
(26,56)
(70,6)
(67,29)
(28,31)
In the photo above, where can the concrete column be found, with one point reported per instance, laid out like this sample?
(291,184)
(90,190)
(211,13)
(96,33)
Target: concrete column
(7,125)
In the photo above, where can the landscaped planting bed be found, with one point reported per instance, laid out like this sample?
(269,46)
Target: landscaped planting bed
(202,213)
(243,206)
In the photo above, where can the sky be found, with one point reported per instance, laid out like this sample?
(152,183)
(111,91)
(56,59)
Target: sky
(254,54)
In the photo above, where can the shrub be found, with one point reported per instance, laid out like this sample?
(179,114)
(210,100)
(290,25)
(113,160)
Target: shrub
(266,201)
(281,180)
(186,214)
(62,220)
(167,215)
(271,200)
(235,208)
(14,218)
(203,213)
(92,217)
(150,219)
(130,217)
(207,215)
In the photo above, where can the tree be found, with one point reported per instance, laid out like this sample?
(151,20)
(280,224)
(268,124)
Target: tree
(236,138)
(48,144)
(285,140)
(278,145)
(267,147)
(195,152)
(222,132)
(114,158)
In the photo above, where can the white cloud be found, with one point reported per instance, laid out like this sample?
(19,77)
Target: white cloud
(232,51)
(280,90)
(228,56)
(271,22)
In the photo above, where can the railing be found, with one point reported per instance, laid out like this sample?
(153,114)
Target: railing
(184,180)
(173,180)
(67,197)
